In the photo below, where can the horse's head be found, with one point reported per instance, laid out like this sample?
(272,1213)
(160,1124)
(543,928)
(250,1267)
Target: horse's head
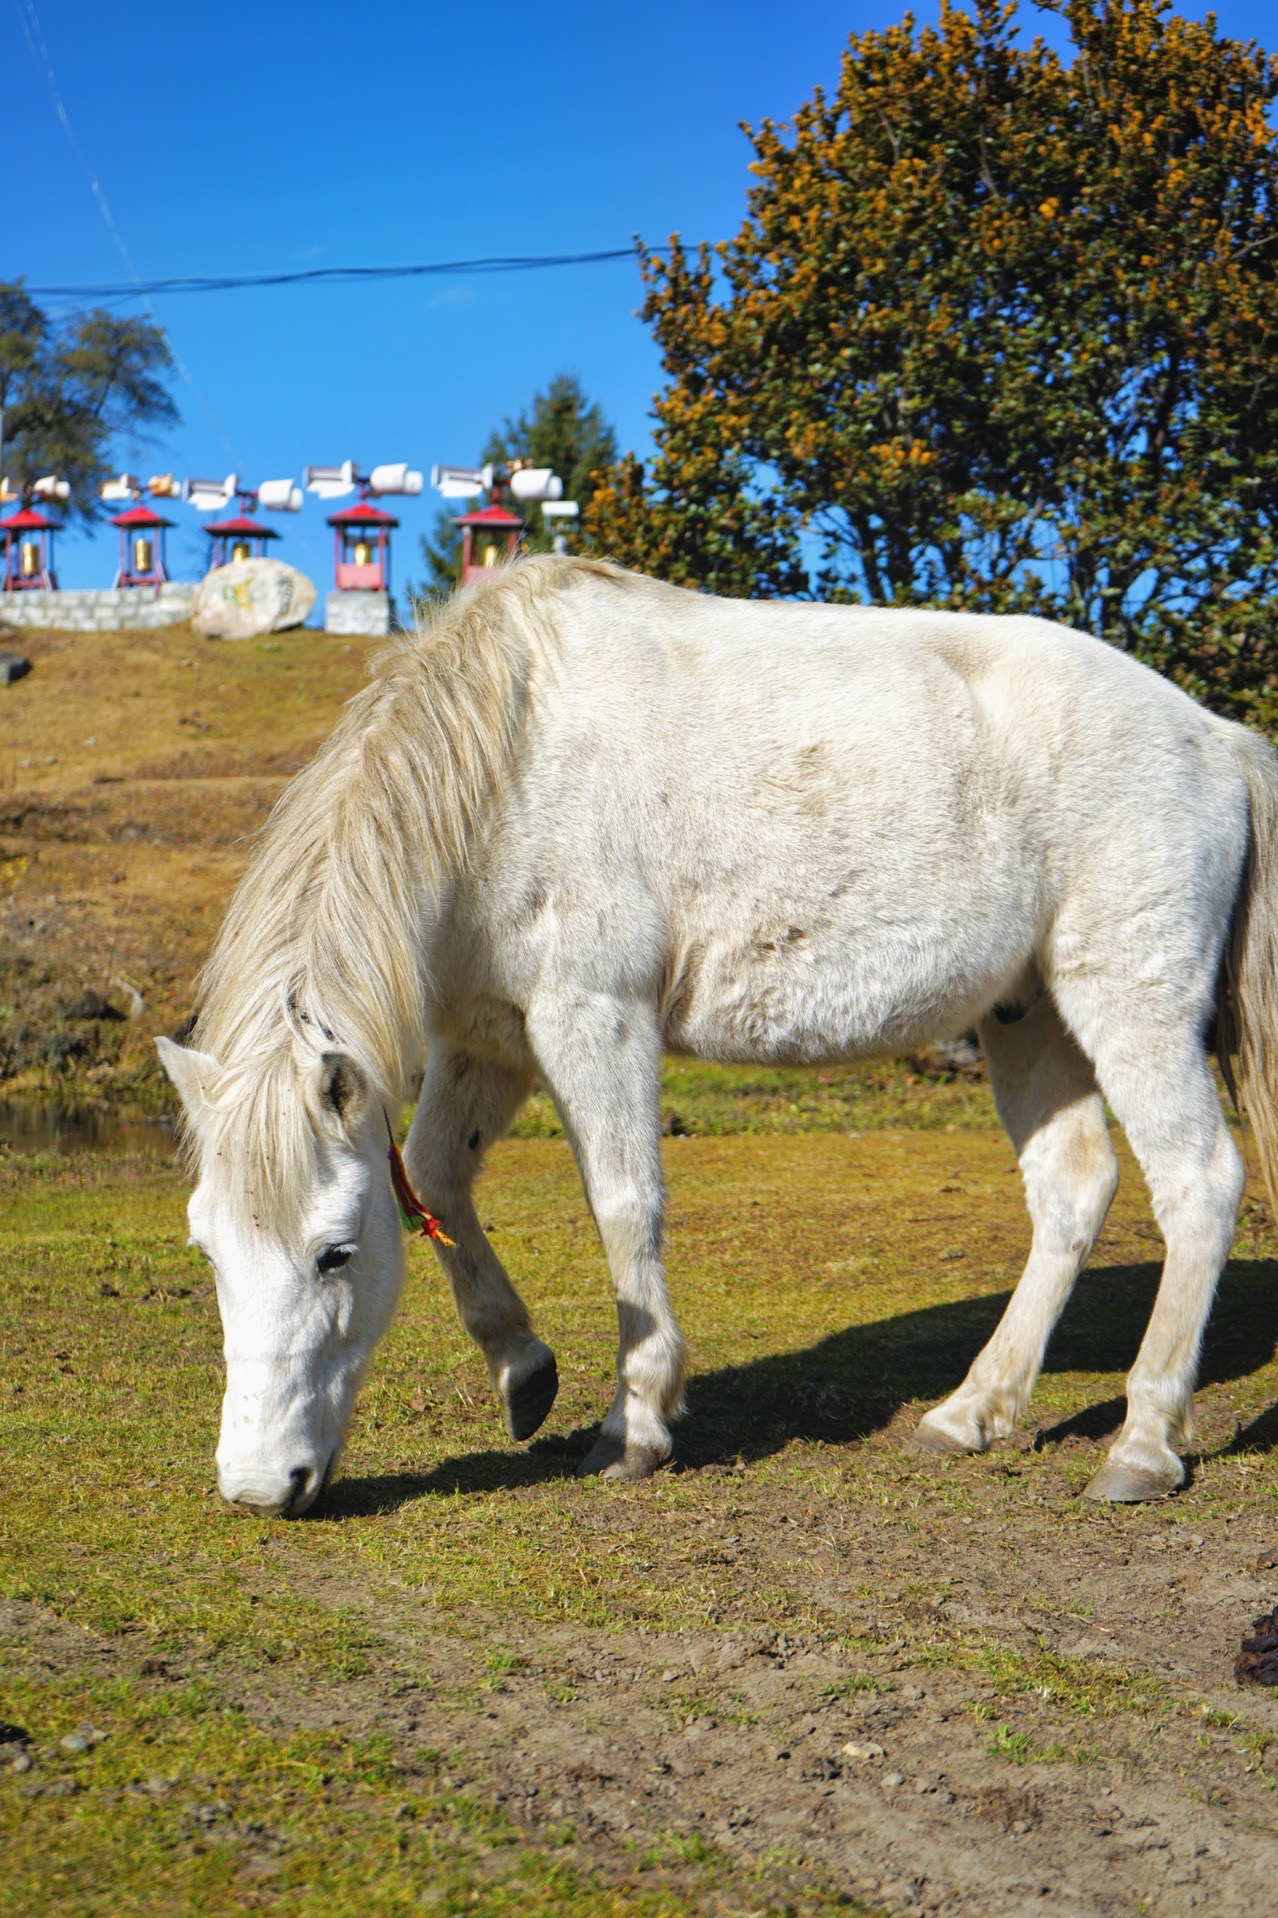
(294,1210)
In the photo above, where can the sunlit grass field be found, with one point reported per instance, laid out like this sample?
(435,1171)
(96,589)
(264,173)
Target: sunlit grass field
(829,1285)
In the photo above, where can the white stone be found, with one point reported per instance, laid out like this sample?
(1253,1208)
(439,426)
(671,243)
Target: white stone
(251,596)
(366,615)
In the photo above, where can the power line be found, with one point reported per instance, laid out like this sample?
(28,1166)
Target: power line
(337,275)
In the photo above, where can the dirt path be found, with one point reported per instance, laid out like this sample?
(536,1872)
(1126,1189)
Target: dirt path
(856,1757)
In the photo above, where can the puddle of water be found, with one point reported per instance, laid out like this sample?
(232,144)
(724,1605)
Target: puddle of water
(43,1125)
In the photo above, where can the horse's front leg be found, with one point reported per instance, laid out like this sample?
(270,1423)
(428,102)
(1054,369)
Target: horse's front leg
(465,1104)
(599,1056)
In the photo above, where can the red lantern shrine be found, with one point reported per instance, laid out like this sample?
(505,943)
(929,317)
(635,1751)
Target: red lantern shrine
(142,533)
(489,535)
(28,551)
(239,538)
(361,548)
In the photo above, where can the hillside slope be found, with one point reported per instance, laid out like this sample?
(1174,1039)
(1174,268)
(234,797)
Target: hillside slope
(132,768)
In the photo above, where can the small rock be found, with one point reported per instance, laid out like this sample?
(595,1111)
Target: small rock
(1257,1662)
(256,1871)
(872,1753)
(74,1742)
(21,1763)
(892,1779)
(93,1005)
(901,1894)
(13,666)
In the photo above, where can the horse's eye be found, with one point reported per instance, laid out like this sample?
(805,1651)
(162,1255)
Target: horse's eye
(334,1257)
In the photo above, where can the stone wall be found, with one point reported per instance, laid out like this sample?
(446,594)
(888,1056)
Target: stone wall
(366,614)
(113,609)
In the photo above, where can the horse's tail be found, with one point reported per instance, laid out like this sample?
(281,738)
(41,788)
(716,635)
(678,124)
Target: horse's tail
(1247,1002)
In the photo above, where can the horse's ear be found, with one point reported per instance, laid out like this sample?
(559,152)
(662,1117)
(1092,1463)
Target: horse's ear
(343,1088)
(191,1072)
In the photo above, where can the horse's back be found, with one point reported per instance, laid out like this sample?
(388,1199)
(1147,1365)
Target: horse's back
(825,831)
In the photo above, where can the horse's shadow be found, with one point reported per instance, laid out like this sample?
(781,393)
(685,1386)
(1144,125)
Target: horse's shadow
(852,1383)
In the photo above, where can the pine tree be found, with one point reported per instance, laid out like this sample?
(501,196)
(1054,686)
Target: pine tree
(561,429)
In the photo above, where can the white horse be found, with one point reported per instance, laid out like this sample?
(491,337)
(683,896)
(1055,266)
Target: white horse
(583,817)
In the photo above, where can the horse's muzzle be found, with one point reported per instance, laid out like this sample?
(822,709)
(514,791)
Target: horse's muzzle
(264,1499)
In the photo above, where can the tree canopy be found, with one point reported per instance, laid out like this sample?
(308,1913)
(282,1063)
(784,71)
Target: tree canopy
(561,429)
(69,392)
(999,331)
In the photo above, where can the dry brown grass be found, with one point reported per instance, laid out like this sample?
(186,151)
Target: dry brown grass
(132,766)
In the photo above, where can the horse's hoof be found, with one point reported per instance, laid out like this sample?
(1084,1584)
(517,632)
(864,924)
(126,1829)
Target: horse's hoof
(1129,1484)
(531,1400)
(932,1442)
(611,1459)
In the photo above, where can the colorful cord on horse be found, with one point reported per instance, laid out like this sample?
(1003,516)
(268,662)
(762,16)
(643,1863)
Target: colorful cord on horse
(411,1210)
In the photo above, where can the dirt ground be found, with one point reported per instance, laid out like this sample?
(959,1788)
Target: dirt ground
(871,1773)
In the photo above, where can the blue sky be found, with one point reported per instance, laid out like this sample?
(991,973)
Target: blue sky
(242,138)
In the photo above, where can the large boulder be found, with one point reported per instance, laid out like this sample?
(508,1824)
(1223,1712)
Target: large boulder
(251,596)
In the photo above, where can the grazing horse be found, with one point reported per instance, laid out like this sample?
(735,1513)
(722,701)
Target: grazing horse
(583,816)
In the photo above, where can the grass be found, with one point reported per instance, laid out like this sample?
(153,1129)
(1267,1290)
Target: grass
(713,1101)
(109,1387)
(191,1808)
(110,1351)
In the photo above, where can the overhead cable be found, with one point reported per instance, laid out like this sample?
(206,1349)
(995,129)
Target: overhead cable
(336,275)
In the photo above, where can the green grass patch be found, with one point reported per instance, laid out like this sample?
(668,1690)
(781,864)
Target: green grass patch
(699,1100)
(185,1806)
(829,1286)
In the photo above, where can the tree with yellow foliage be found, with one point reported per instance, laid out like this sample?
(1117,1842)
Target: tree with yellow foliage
(999,331)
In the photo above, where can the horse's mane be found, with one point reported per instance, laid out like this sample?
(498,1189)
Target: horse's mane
(322,947)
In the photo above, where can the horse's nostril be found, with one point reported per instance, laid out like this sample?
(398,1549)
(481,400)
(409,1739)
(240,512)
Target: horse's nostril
(304,1483)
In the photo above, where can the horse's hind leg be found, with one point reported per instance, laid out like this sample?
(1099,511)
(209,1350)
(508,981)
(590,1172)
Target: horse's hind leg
(599,1056)
(1046,1095)
(465,1104)
(1155,1074)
